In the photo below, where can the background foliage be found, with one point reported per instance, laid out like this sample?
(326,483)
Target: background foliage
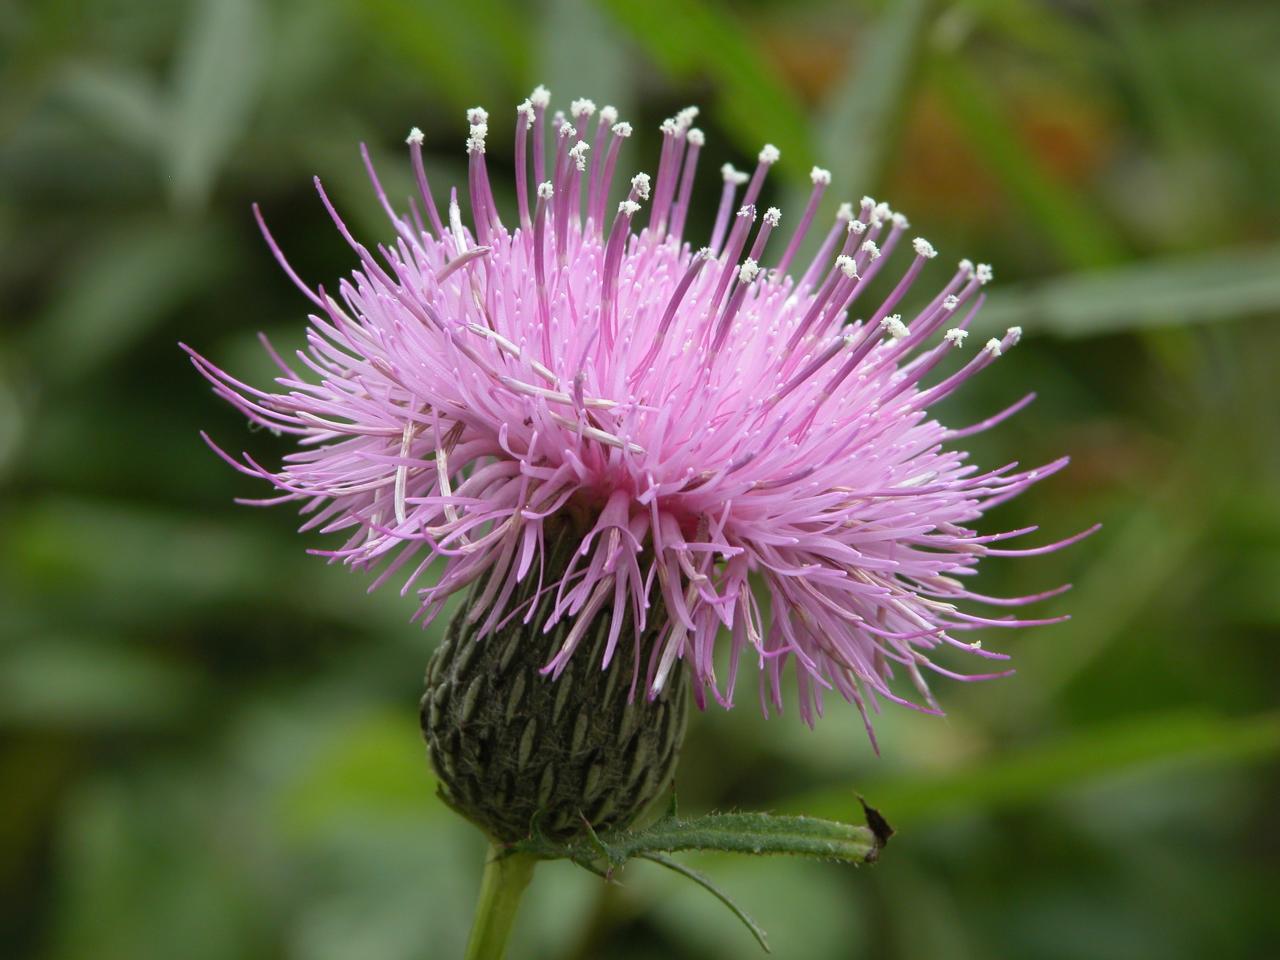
(208,742)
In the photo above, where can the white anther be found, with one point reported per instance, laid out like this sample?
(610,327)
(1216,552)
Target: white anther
(847,266)
(567,129)
(545,190)
(773,216)
(732,175)
(608,115)
(966,267)
(1014,334)
(894,326)
(541,97)
(924,248)
(747,211)
(475,142)
(628,208)
(955,336)
(867,203)
(685,118)
(695,137)
(640,184)
(857,227)
(669,127)
(869,247)
(579,107)
(706,253)
(845,212)
(748,271)
(951,302)
(415,137)
(882,211)
(820,175)
(526,110)
(769,154)
(983,273)
(579,153)
(477,115)
(993,347)
(621,129)
(900,221)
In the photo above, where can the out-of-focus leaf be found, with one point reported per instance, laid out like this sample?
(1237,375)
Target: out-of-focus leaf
(127,281)
(689,38)
(94,683)
(579,55)
(702,880)
(858,132)
(218,69)
(122,104)
(1042,772)
(1182,290)
(469,53)
(1082,238)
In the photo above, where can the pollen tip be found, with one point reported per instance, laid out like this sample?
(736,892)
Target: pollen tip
(894,326)
(983,273)
(867,203)
(955,336)
(526,110)
(608,115)
(820,175)
(640,184)
(567,129)
(621,129)
(951,302)
(993,347)
(845,212)
(545,190)
(847,266)
(415,137)
(477,115)
(924,248)
(579,153)
(900,221)
(732,175)
(1014,334)
(685,118)
(628,208)
(748,271)
(769,154)
(583,105)
(882,211)
(695,137)
(541,97)
(747,210)
(869,247)
(773,216)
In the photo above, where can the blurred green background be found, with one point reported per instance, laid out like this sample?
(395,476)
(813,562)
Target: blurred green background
(208,740)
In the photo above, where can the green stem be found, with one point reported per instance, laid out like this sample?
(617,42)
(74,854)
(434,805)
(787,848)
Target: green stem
(505,877)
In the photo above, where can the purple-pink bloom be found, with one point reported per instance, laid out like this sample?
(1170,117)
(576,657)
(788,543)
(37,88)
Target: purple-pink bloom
(720,427)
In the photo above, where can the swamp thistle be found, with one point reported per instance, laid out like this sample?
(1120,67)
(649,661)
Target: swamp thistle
(644,456)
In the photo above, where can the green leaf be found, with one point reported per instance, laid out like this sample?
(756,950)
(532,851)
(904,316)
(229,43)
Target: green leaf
(1164,292)
(705,882)
(750,833)
(860,125)
(690,38)
(215,86)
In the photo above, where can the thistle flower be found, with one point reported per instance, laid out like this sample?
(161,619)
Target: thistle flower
(740,456)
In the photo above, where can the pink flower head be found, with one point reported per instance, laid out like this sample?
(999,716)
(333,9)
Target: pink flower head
(720,429)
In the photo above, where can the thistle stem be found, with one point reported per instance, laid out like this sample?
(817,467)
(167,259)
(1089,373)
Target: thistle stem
(505,877)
